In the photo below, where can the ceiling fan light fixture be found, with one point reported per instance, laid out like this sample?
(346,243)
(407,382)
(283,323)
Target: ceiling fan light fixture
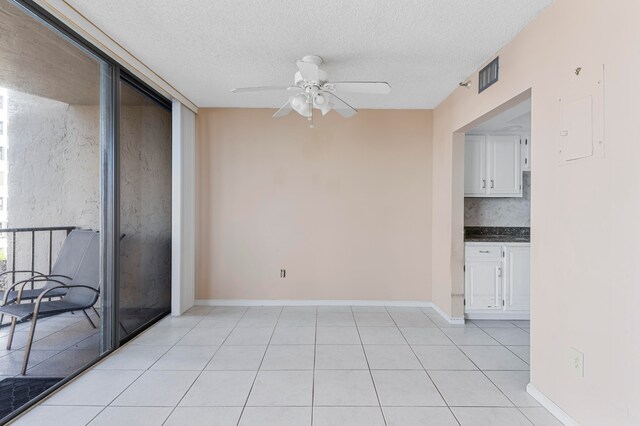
(324,109)
(298,101)
(304,109)
(320,100)
(315,91)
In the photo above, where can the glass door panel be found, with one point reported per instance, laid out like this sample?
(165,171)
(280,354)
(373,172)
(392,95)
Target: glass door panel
(50,202)
(145,209)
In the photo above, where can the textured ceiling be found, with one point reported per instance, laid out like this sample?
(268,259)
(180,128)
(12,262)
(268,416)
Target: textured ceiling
(205,48)
(514,120)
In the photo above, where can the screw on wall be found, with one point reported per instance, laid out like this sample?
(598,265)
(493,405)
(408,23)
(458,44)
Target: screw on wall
(283,273)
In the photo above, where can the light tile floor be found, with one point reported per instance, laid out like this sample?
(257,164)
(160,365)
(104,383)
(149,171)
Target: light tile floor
(307,366)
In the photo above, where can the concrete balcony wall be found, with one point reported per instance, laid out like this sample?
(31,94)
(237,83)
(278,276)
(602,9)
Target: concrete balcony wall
(54,180)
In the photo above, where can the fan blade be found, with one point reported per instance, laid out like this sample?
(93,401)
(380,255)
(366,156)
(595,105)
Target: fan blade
(261,88)
(343,108)
(373,87)
(284,110)
(308,71)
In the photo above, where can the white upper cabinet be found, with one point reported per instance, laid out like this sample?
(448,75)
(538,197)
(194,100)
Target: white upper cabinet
(475,169)
(505,173)
(493,166)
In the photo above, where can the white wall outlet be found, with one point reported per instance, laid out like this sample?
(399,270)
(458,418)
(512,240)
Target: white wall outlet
(577,362)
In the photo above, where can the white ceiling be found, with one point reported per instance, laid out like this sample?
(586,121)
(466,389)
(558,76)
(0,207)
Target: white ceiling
(514,120)
(204,48)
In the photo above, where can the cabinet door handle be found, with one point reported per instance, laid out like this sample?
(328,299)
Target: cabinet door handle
(491,183)
(499,272)
(484,183)
(484,251)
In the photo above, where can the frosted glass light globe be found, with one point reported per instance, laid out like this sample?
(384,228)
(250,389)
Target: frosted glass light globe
(320,100)
(298,101)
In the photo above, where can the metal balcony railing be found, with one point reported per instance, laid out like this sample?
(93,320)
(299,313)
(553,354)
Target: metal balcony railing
(20,233)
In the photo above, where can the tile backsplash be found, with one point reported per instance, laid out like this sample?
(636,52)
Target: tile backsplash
(500,211)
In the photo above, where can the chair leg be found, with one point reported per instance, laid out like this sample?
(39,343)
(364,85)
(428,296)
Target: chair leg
(11,331)
(88,319)
(27,350)
(96,311)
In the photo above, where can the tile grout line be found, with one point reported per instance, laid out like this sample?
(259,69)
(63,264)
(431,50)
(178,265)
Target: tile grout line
(313,380)
(483,371)
(144,370)
(493,383)
(488,378)
(519,357)
(152,364)
(246,401)
(525,329)
(420,361)
(136,379)
(173,409)
(246,310)
(172,346)
(507,347)
(375,389)
(456,345)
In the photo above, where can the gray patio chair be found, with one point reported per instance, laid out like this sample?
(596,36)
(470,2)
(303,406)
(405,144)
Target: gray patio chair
(81,293)
(63,270)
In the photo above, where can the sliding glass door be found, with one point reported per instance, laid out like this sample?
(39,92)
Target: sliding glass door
(145,206)
(85,199)
(51,105)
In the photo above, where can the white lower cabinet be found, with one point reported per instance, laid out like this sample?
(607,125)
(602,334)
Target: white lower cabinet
(497,283)
(483,280)
(517,282)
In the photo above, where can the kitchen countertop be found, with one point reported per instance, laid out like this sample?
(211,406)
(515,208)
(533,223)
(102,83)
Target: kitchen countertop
(497,234)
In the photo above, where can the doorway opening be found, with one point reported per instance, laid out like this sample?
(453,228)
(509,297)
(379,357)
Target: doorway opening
(497,216)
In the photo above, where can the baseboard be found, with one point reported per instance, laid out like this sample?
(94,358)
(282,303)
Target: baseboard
(450,320)
(305,302)
(288,302)
(496,316)
(557,412)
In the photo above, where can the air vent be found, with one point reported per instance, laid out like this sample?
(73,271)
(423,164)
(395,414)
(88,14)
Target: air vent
(488,75)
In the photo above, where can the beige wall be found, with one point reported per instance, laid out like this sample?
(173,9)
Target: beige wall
(344,207)
(585,228)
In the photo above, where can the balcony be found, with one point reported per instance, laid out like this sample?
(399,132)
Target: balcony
(62,344)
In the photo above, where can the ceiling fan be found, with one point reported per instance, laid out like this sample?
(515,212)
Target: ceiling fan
(311,90)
